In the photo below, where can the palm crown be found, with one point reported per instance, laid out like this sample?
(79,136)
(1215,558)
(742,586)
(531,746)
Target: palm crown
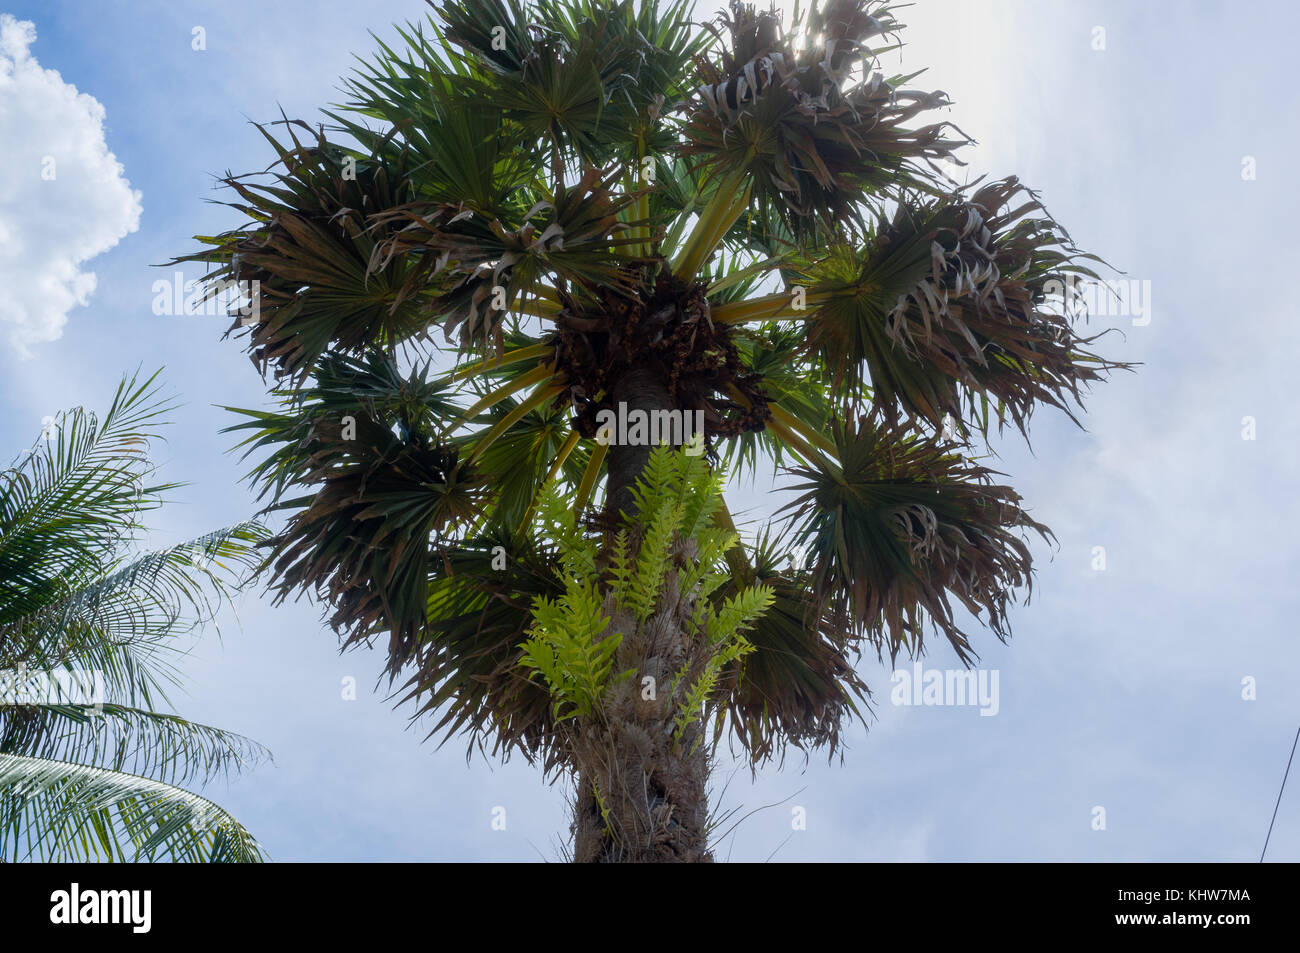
(599,204)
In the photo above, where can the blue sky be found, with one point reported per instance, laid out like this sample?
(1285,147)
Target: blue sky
(1121,689)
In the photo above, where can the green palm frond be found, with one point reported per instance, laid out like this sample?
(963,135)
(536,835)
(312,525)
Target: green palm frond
(466,668)
(460,148)
(123,623)
(153,744)
(791,382)
(371,391)
(62,811)
(589,80)
(489,266)
(87,631)
(362,542)
(309,256)
(78,492)
(520,461)
(366,447)
(798,686)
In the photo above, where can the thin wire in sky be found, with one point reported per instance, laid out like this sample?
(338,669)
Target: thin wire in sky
(1285,775)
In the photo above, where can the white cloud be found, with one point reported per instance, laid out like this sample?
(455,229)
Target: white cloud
(63,197)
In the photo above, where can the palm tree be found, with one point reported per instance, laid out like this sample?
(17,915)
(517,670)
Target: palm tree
(607,209)
(90,765)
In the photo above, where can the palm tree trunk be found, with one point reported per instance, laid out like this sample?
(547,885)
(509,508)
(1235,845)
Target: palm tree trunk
(642,789)
(639,390)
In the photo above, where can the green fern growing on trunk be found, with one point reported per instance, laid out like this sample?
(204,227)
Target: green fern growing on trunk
(632,653)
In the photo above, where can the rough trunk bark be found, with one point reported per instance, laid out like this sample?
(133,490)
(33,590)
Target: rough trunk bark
(641,792)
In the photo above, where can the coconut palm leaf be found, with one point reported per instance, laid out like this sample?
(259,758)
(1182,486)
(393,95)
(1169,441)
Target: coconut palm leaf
(62,811)
(87,631)
(79,491)
(122,624)
(158,745)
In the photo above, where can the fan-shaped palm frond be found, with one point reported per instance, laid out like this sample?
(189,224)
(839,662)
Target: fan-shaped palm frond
(466,668)
(798,686)
(815,130)
(897,523)
(310,262)
(949,308)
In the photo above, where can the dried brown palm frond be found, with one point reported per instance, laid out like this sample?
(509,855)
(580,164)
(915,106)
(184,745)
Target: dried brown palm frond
(948,309)
(900,526)
(307,255)
(819,131)
(481,267)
